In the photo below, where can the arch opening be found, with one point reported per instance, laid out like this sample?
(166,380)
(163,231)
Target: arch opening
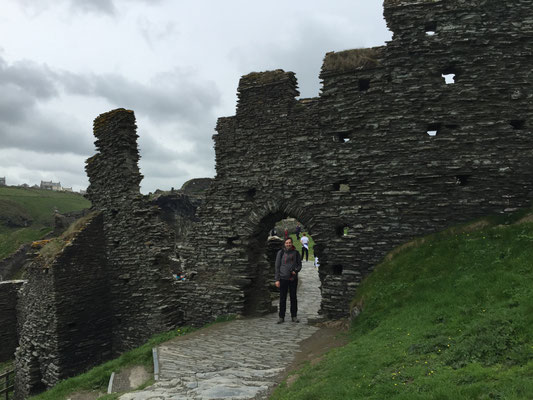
(261,295)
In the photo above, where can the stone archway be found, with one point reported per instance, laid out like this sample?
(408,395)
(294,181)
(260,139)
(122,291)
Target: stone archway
(257,298)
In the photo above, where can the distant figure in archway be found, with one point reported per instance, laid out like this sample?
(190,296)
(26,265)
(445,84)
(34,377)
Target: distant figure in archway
(288,264)
(305,246)
(286,233)
(298,230)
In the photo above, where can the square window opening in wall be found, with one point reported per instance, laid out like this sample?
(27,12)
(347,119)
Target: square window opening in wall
(433,129)
(230,242)
(342,137)
(341,186)
(462,180)
(342,230)
(337,269)
(364,84)
(250,194)
(430,28)
(449,75)
(518,124)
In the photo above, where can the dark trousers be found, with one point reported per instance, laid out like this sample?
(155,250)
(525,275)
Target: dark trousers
(284,287)
(306,251)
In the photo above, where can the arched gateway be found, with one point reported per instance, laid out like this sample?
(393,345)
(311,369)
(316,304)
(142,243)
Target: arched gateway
(390,150)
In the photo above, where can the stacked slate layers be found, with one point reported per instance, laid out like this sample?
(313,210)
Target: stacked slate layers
(8,318)
(138,243)
(64,313)
(358,166)
(111,287)
(355,166)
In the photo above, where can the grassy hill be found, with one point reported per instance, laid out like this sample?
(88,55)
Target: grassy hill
(449,316)
(27,214)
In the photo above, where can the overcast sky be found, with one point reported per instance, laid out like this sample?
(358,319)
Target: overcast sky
(176,63)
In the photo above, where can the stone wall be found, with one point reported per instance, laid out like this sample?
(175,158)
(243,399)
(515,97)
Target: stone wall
(8,318)
(112,286)
(389,150)
(139,243)
(64,314)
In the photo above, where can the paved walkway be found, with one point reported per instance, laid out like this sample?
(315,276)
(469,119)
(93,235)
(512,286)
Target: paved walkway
(241,359)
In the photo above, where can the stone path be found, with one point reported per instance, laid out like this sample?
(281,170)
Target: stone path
(240,359)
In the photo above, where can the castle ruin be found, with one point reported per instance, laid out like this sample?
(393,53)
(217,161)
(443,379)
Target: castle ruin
(406,139)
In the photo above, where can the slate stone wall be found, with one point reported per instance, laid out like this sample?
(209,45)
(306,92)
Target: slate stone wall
(113,285)
(64,313)
(389,150)
(139,243)
(8,318)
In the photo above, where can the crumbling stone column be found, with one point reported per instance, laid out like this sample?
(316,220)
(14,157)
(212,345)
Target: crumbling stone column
(138,243)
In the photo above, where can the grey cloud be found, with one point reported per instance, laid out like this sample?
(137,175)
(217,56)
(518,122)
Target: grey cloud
(15,105)
(155,32)
(171,96)
(22,85)
(23,166)
(45,134)
(154,148)
(305,54)
(44,162)
(96,6)
(32,78)
(166,176)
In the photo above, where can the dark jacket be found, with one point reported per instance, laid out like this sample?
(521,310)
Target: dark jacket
(286,262)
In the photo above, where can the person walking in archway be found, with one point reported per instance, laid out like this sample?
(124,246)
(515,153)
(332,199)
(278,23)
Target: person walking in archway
(305,246)
(288,264)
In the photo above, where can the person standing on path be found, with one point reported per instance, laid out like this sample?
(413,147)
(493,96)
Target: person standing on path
(298,230)
(288,264)
(305,246)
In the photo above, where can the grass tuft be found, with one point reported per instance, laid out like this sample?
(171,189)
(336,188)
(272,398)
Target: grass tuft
(351,59)
(51,248)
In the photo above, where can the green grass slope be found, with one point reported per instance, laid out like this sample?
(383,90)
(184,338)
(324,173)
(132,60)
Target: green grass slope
(27,214)
(450,317)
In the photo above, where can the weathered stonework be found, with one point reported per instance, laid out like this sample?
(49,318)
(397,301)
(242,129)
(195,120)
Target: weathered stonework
(388,152)
(8,318)
(361,156)
(111,287)
(138,242)
(64,313)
